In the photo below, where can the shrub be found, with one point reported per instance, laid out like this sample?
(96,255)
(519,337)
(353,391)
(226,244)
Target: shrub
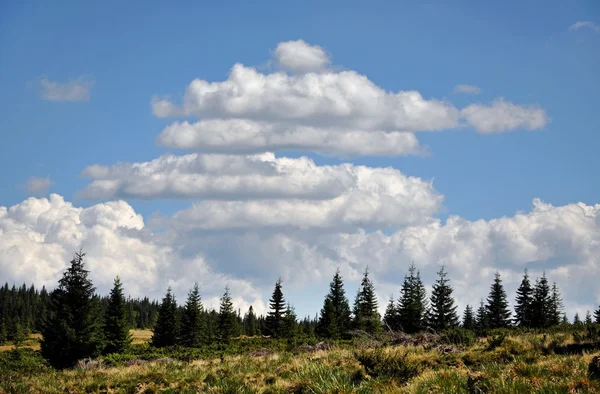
(387,364)
(458,336)
(594,368)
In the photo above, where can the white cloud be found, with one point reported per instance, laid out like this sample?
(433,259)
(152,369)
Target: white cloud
(580,24)
(38,185)
(469,89)
(300,57)
(244,136)
(73,90)
(502,116)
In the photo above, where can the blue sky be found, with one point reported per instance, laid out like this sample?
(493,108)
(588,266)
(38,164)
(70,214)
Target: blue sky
(519,50)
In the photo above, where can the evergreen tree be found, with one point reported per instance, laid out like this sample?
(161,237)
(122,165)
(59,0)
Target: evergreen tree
(193,329)
(556,306)
(116,326)
(498,314)
(166,330)
(564,321)
(482,320)
(250,323)
(443,311)
(412,305)
(335,318)
(290,322)
(576,319)
(597,315)
(588,318)
(366,316)
(276,314)
(469,322)
(523,304)
(391,316)
(73,330)
(541,303)
(227,318)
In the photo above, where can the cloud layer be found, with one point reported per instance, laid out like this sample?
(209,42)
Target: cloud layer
(73,90)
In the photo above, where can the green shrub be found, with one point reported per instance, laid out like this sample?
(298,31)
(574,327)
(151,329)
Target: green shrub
(458,336)
(393,365)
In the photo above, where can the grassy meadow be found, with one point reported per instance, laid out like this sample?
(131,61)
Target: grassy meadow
(425,363)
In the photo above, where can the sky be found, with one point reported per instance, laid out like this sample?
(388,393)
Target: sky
(231,145)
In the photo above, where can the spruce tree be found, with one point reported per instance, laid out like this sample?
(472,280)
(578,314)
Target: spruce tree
(468,322)
(523,303)
(482,320)
(166,329)
(193,328)
(556,306)
(250,323)
(498,314)
(116,326)
(541,303)
(366,316)
(564,321)
(412,305)
(290,322)
(576,319)
(276,314)
(227,319)
(597,315)
(442,314)
(391,316)
(335,318)
(73,330)
(588,318)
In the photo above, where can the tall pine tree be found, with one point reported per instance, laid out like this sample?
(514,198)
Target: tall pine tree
(443,311)
(391,318)
(482,319)
(576,319)
(73,330)
(412,305)
(469,322)
(227,319)
(366,316)
(556,306)
(335,319)
(276,314)
(193,327)
(166,329)
(541,303)
(498,314)
(116,326)
(250,323)
(597,315)
(523,308)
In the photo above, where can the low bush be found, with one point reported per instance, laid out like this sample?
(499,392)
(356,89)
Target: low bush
(458,337)
(391,364)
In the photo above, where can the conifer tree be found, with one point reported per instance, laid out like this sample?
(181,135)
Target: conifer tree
(482,320)
(523,304)
(469,322)
(73,330)
(576,319)
(597,315)
(412,305)
(564,321)
(290,322)
(366,316)
(250,323)
(335,317)
(556,306)
(227,318)
(276,314)
(442,314)
(116,326)
(498,314)
(541,303)
(166,329)
(193,327)
(588,318)
(391,316)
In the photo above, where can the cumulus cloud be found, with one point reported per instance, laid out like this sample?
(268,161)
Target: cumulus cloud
(469,89)
(502,116)
(588,24)
(73,90)
(38,185)
(300,57)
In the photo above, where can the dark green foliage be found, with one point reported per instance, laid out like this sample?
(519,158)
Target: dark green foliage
(498,314)
(556,307)
(391,317)
(412,306)
(469,322)
(482,321)
(576,319)
(588,318)
(523,303)
(335,319)
(250,323)
(22,306)
(275,317)
(442,314)
(366,316)
(116,326)
(458,336)
(379,363)
(290,322)
(594,368)
(73,330)
(193,329)
(597,316)
(227,319)
(541,303)
(166,330)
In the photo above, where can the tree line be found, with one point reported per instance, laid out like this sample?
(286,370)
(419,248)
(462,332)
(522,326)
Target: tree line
(76,323)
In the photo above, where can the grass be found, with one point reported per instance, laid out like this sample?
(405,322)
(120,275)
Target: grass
(518,364)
